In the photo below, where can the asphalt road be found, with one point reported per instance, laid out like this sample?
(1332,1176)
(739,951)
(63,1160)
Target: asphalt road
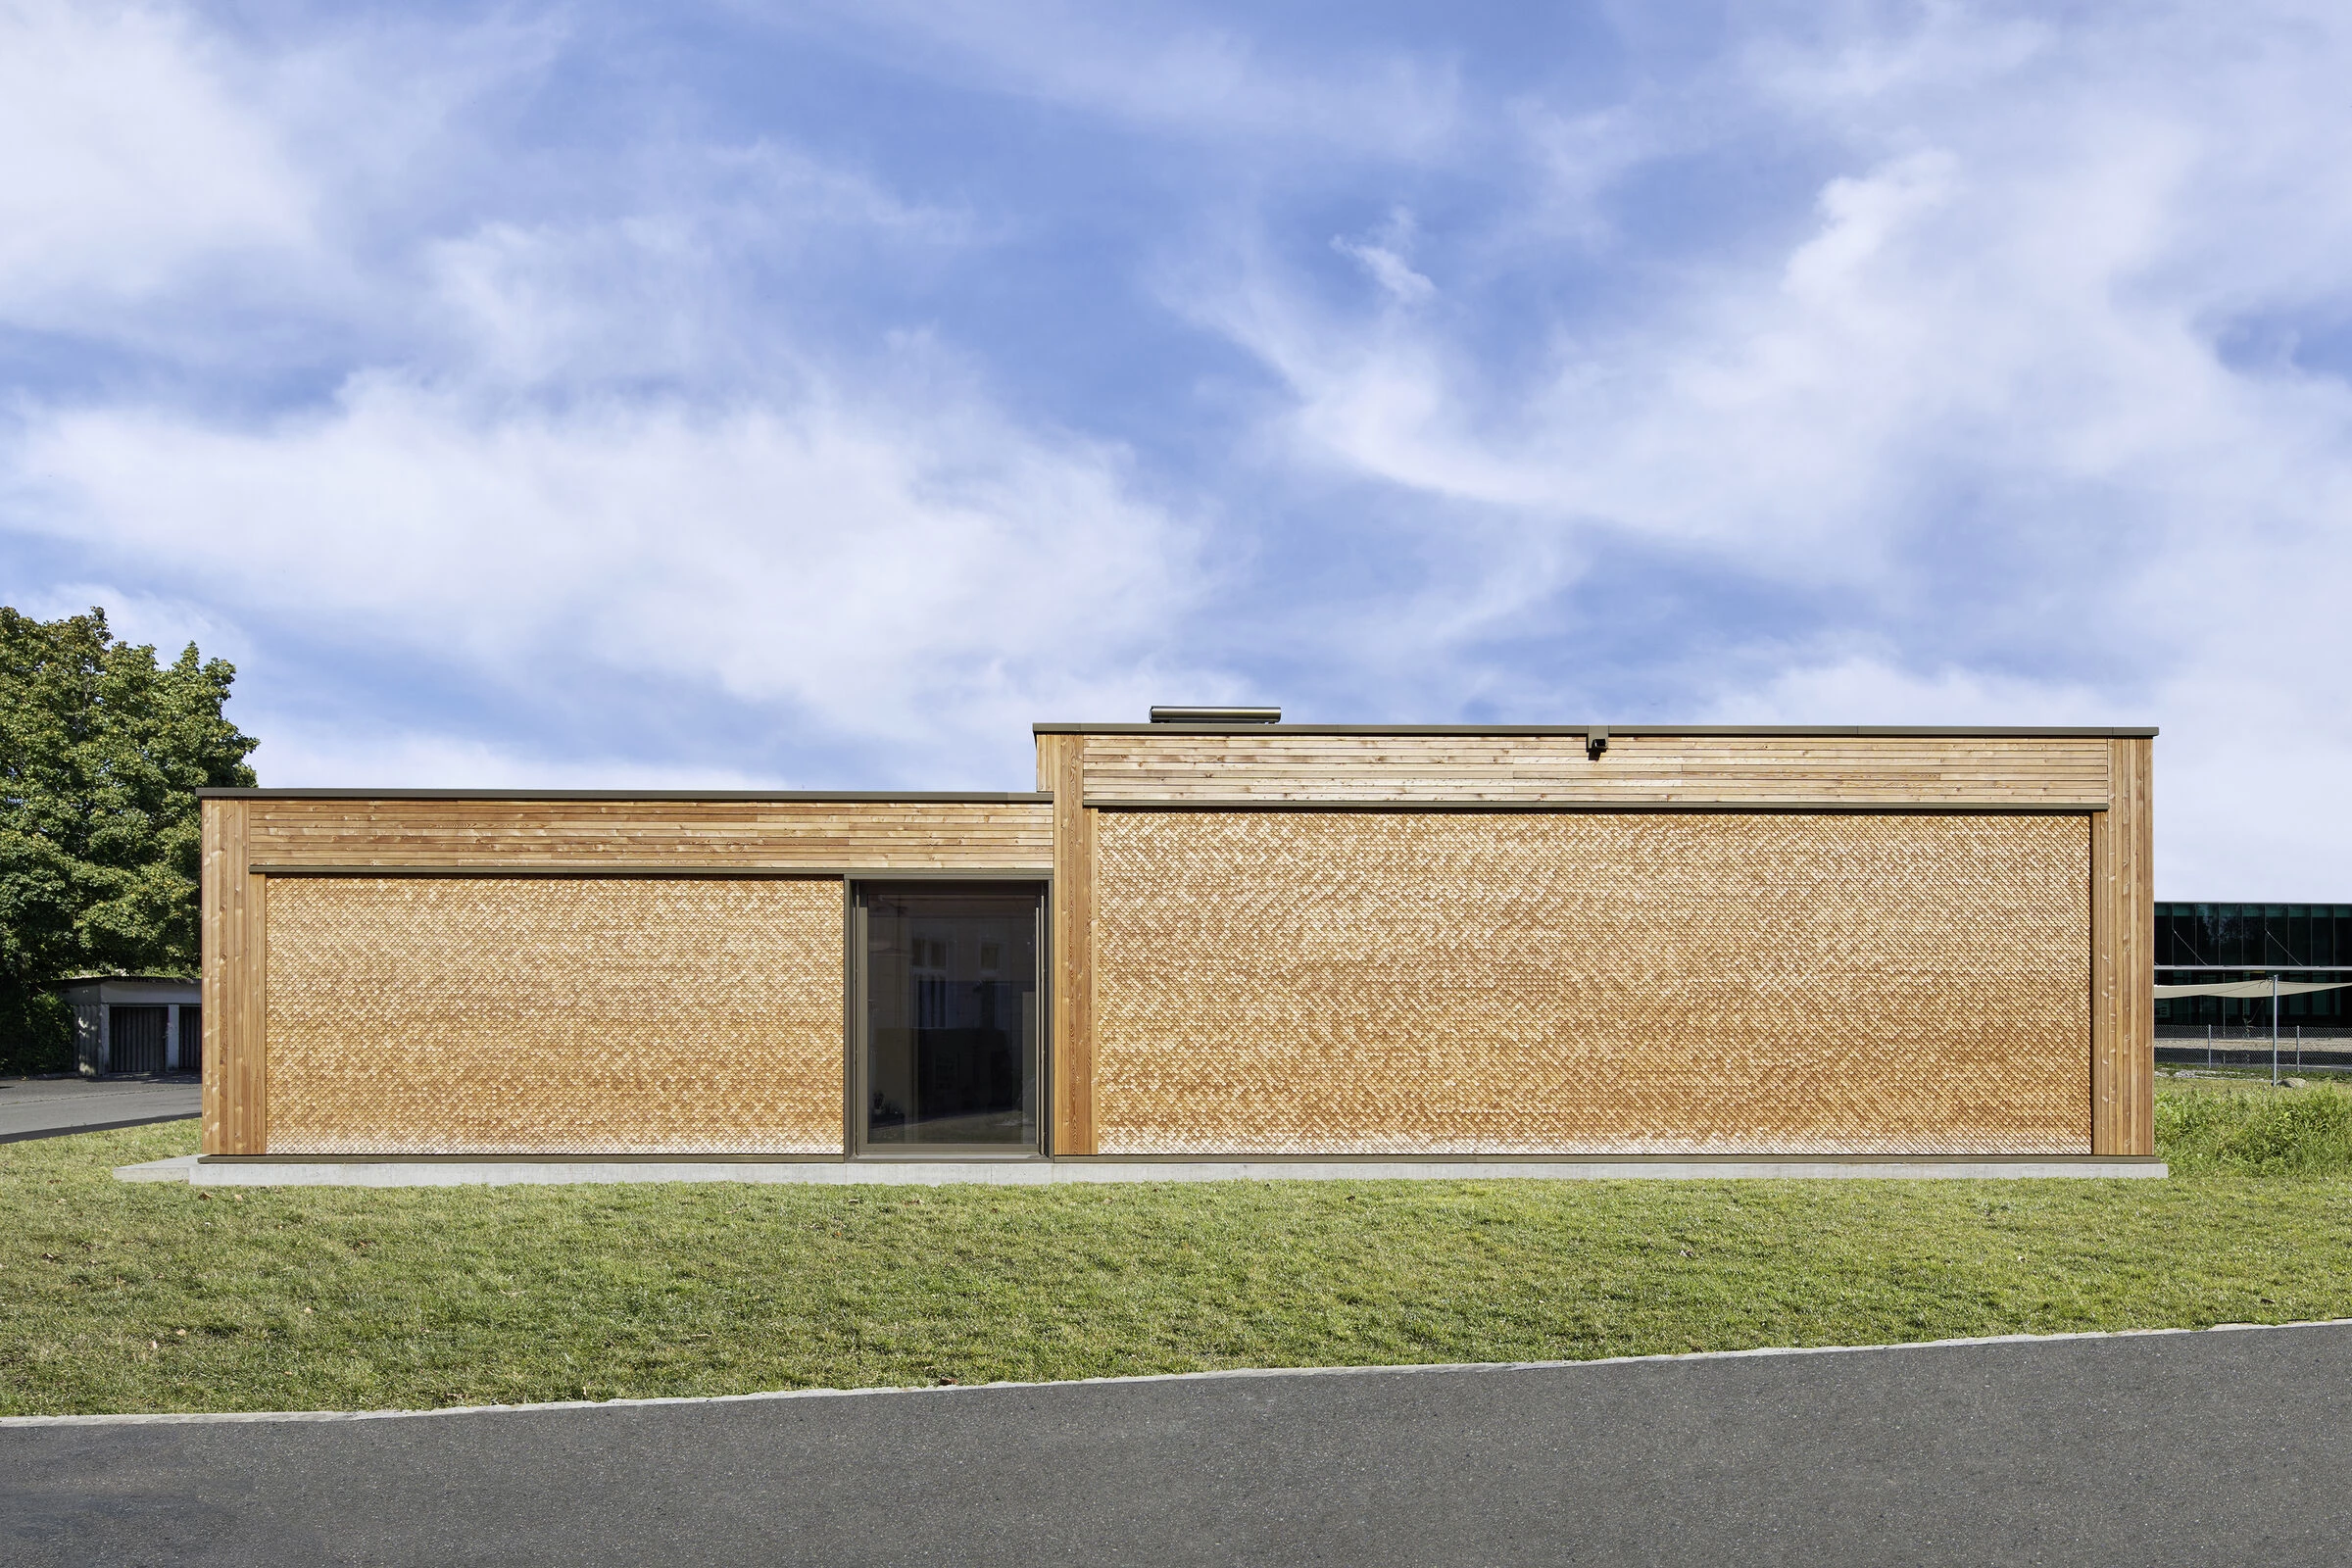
(2204,1449)
(49,1107)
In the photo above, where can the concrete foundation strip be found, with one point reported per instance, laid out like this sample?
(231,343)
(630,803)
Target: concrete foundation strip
(459,1172)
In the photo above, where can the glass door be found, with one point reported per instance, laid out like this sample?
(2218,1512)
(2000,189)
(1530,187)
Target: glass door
(947,1058)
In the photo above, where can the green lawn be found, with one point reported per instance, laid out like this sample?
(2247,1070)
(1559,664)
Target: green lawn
(161,1297)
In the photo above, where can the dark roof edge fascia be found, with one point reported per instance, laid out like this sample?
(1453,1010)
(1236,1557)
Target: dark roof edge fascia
(137,979)
(781,797)
(1827,731)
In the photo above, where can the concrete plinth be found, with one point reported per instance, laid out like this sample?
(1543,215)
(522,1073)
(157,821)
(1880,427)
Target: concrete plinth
(271,1171)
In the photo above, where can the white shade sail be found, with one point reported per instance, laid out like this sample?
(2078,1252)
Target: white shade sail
(2250,988)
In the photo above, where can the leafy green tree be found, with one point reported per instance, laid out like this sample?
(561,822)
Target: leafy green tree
(102,750)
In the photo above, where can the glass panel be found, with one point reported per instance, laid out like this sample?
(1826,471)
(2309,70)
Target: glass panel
(2276,943)
(951,1015)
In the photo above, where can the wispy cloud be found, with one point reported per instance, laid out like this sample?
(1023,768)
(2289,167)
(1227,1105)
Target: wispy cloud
(1171,69)
(128,159)
(878,571)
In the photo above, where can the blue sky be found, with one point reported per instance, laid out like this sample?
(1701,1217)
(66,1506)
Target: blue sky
(813,396)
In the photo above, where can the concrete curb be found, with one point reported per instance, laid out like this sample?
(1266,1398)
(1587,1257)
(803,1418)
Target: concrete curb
(176,1169)
(202,1172)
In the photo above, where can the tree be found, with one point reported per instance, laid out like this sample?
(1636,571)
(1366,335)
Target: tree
(102,750)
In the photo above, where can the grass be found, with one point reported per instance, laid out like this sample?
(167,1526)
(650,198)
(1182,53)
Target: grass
(2238,1125)
(161,1297)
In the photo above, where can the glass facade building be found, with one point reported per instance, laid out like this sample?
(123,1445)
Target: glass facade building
(2196,943)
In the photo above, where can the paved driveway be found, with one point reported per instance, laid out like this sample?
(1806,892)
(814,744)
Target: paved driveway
(2201,1448)
(45,1107)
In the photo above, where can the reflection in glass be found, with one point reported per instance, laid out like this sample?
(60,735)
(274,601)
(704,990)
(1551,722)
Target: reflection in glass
(2209,942)
(951,1015)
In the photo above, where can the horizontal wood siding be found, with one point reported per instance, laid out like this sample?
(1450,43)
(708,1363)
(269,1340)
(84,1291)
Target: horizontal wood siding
(687,835)
(1744,770)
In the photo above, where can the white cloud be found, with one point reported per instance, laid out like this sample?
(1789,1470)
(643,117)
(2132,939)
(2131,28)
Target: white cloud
(233,198)
(660,293)
(887,572)
(163,622)
(1383,257)
(1144,67)
(128,156)
(302,752)
(1866,688)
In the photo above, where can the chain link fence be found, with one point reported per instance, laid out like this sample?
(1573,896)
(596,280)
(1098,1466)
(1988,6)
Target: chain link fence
(2321,1048)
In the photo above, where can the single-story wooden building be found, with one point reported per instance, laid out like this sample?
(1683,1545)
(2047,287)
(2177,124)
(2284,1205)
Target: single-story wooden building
(1214,938)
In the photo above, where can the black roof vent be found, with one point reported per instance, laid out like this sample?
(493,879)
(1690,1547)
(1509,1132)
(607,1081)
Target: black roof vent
(1216,715)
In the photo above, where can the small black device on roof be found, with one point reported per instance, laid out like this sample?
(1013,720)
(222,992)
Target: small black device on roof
(1216,715)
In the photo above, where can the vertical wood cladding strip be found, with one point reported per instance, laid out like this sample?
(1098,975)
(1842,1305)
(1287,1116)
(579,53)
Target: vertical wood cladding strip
(254,1080)
(2143,998)
(852,973)
(546,1016)
(234,984)
(2132,921)
(219,862)
(1529,982)
(2102,986)
(2123,931)
(1073,1018)
(1085,989)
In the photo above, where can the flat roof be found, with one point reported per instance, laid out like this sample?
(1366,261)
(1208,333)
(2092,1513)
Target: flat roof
(811,797)
(125,979)
(1825,731)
